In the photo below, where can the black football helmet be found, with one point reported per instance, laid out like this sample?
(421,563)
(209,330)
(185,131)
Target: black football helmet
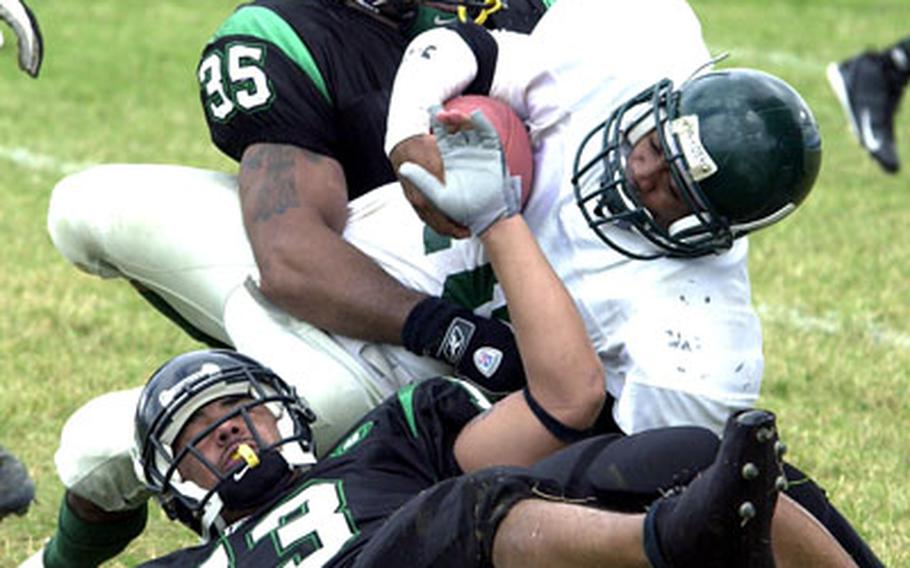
(174,393)
(404,10)
(742,147)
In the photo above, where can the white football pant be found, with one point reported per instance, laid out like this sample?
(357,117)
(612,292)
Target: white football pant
(178,232)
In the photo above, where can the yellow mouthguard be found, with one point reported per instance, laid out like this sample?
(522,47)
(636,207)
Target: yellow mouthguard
(247,454)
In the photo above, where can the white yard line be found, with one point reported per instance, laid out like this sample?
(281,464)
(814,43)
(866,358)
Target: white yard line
(833,324)
(43,162)
(772,58)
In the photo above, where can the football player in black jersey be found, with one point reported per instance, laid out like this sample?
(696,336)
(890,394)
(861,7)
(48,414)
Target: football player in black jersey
(436,476)
(296,91)
(226,445)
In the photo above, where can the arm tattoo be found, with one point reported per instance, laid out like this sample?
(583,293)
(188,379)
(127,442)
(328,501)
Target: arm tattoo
(272,169)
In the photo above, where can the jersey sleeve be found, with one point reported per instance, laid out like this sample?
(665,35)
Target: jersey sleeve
(458,59)
(260,84)
(437,65)
(435,411)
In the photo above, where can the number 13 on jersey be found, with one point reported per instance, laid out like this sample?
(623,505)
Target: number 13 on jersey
(304,530)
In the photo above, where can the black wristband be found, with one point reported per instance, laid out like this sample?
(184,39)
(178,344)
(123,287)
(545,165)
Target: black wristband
(481,349)
(425,325)
(554,426)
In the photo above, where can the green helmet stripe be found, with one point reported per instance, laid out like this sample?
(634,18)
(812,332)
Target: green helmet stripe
(266,25)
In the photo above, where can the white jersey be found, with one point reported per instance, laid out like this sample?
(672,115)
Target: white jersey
(679,339)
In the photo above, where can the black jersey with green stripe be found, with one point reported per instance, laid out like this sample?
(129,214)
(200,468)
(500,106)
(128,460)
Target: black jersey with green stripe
(310,73)
(316,74)
(400,448)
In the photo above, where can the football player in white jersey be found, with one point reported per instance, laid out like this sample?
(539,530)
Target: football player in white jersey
(732,151)
(649,171)
(646,180)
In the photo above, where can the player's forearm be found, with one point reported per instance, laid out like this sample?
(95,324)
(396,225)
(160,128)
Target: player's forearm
(334,286)
(294,204)
(564,373)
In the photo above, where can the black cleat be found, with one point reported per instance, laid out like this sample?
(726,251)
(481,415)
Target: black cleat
(723,518)
(17,490)
(869,88)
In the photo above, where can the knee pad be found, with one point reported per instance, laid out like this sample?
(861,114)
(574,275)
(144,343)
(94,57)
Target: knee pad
(75,219)
(175,231)
(94,459)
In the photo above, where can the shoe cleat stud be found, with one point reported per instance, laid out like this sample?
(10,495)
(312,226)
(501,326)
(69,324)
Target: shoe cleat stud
(780,448)
(750,471)
(764,434)
(781,483)
(746,512)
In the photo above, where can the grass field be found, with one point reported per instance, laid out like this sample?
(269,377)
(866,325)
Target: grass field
(118,85)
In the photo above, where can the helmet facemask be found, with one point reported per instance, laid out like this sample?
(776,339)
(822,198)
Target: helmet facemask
(742,148)
(608,196)
(404,11)
(265,467)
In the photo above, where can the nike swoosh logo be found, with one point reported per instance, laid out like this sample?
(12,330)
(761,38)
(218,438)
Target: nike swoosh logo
(441,21)
(865,123)
(239,475)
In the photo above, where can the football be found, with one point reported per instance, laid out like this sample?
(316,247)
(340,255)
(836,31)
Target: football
(516,144)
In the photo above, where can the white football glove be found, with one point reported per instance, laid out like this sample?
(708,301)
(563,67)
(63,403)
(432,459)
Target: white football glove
(478,189)
(21,19)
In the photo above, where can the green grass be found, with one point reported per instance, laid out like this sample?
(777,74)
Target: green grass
(118,86)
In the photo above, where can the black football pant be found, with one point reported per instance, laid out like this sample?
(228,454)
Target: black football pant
(454,522)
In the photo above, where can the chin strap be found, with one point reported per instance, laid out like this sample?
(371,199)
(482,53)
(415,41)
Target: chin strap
(245,489)
(249,487)
(211,519)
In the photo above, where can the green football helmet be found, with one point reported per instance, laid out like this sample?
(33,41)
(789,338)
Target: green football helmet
(743,149)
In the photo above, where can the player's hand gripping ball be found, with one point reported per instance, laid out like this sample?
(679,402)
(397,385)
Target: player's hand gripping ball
(479,187)
(516,144)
